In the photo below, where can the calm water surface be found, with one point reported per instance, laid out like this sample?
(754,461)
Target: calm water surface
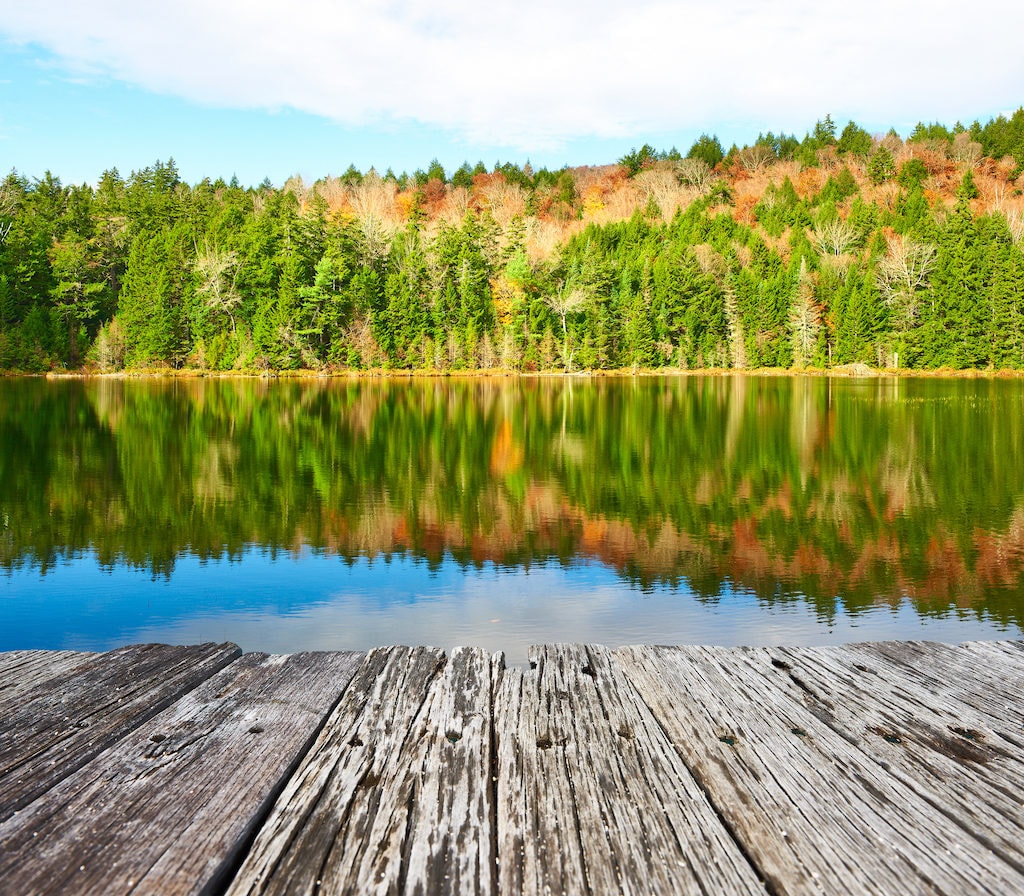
(344,514)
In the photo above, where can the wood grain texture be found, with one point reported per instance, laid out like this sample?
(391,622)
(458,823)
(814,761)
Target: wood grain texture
(394,797)
(170,808)
(592,797)
(894,767)
(813,811)
(450,826)
(24,671)
(980,677)
(72,717)
(943,751)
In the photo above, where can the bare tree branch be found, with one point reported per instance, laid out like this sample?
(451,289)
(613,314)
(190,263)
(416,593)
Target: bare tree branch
(696,173)
(966,150)
(903,273)
(563,304)
(213,267)
(804,319)
(7,209)
(834,237)
(757,157)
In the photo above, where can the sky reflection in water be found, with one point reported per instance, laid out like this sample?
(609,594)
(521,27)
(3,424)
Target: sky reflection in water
(321,603)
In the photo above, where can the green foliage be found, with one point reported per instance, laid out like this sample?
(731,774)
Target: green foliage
(933,132)
(708,149)
(912,174)
(636,160)
(854,139)
(463,176)
(838,187)
(783,146)
(824,132)
(512,173)
(780,207)
(881,167)
(1002,137)
(76,292)
(968,189)
(435,171)
(822,137)
(864,218)
(151,301)
(149,270)
(565,189)
(912,213)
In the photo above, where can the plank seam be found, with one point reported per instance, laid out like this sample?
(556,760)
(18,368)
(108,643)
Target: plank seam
(407,838)
(85,756)
(588,888)
(225,875)
(769,886)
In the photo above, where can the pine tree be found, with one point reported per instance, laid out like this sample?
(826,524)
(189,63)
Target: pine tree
(882,166)
(954,321)
(150,302)
(804,319)
(1005,290)
(638,349)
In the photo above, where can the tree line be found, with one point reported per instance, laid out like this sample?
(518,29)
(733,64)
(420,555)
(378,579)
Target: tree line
(841,247)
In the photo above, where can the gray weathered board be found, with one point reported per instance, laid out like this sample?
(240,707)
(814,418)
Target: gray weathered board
(894,767)
(71,717)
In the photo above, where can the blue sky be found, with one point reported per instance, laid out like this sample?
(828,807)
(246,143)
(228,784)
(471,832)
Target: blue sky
(263,89)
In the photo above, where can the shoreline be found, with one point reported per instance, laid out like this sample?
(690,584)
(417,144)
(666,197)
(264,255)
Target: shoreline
(850,371)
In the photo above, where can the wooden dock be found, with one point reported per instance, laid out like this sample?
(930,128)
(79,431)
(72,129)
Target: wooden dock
(889,768)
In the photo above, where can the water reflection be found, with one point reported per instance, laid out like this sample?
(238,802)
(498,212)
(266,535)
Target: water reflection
(314,602)
(834,495)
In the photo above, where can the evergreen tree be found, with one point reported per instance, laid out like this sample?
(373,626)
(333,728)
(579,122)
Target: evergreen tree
(882,166)
(638,344)
(967,190)
(150,305)
(855,140)
(1005,290)
(75,292)
(912,174)
(955,321)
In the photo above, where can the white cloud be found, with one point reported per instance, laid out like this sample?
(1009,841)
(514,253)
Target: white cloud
(532,76)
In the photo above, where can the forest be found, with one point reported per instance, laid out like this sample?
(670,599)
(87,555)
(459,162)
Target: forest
(838,248)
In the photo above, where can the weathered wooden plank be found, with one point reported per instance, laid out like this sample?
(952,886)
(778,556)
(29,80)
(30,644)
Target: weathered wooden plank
(170,808)
(943,751)
(24,671)
(395,795)
(592,797)
(70,718)
(945,714)
(814,813)
(970,685)
(1009,651)
(450,844)
(538,843)
(974,666)
(967,676)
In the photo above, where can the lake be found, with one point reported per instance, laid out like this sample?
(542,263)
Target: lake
(344,513)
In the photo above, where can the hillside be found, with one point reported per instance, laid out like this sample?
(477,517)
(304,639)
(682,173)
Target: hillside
(837,248)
